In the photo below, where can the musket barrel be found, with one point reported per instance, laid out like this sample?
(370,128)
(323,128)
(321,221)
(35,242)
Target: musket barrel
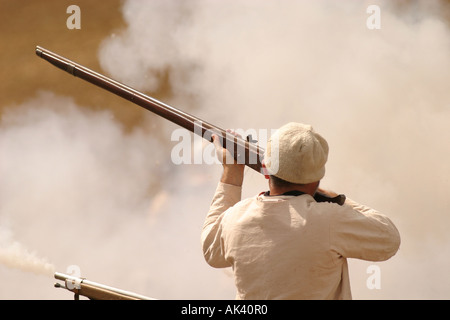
(181,118)
(168,112)
(94,290)
(251,156)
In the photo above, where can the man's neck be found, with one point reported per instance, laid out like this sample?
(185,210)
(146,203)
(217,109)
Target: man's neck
(309,188)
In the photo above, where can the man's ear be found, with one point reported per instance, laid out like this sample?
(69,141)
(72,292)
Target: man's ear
(264,170)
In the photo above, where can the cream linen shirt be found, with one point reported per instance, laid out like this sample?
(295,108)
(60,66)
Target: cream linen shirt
(291,247)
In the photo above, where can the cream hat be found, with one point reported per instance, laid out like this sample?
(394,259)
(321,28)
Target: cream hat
(297,154)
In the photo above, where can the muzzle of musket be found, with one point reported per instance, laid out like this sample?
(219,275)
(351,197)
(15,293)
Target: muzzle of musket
(39,51)
(93,290)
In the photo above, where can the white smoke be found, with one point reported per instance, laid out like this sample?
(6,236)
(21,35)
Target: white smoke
(78,189)
(381,98)
(14,255)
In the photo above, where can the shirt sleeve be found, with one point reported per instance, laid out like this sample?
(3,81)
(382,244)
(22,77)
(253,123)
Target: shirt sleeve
(357,231)
(225,197)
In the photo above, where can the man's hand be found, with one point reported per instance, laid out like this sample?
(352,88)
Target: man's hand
(233,173)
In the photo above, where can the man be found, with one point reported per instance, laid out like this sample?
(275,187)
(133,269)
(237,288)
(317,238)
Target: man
(282,244)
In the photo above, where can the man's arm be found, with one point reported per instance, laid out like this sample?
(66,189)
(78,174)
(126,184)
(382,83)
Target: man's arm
(227,194)
(225,197)
(357,231)
(233,173)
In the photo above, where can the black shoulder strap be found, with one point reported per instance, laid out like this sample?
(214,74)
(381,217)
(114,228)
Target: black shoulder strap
(319,197)
(288,193)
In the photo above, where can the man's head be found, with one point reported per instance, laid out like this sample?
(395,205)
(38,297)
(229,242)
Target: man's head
(297,154)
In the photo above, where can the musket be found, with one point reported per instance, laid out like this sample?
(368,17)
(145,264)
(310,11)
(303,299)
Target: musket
(243,150)
(93,290)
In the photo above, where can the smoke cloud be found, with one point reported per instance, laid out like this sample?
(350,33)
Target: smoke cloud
(381,98)
(78,189)
(15,255)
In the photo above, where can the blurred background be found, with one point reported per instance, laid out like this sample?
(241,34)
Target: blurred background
(86,178)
